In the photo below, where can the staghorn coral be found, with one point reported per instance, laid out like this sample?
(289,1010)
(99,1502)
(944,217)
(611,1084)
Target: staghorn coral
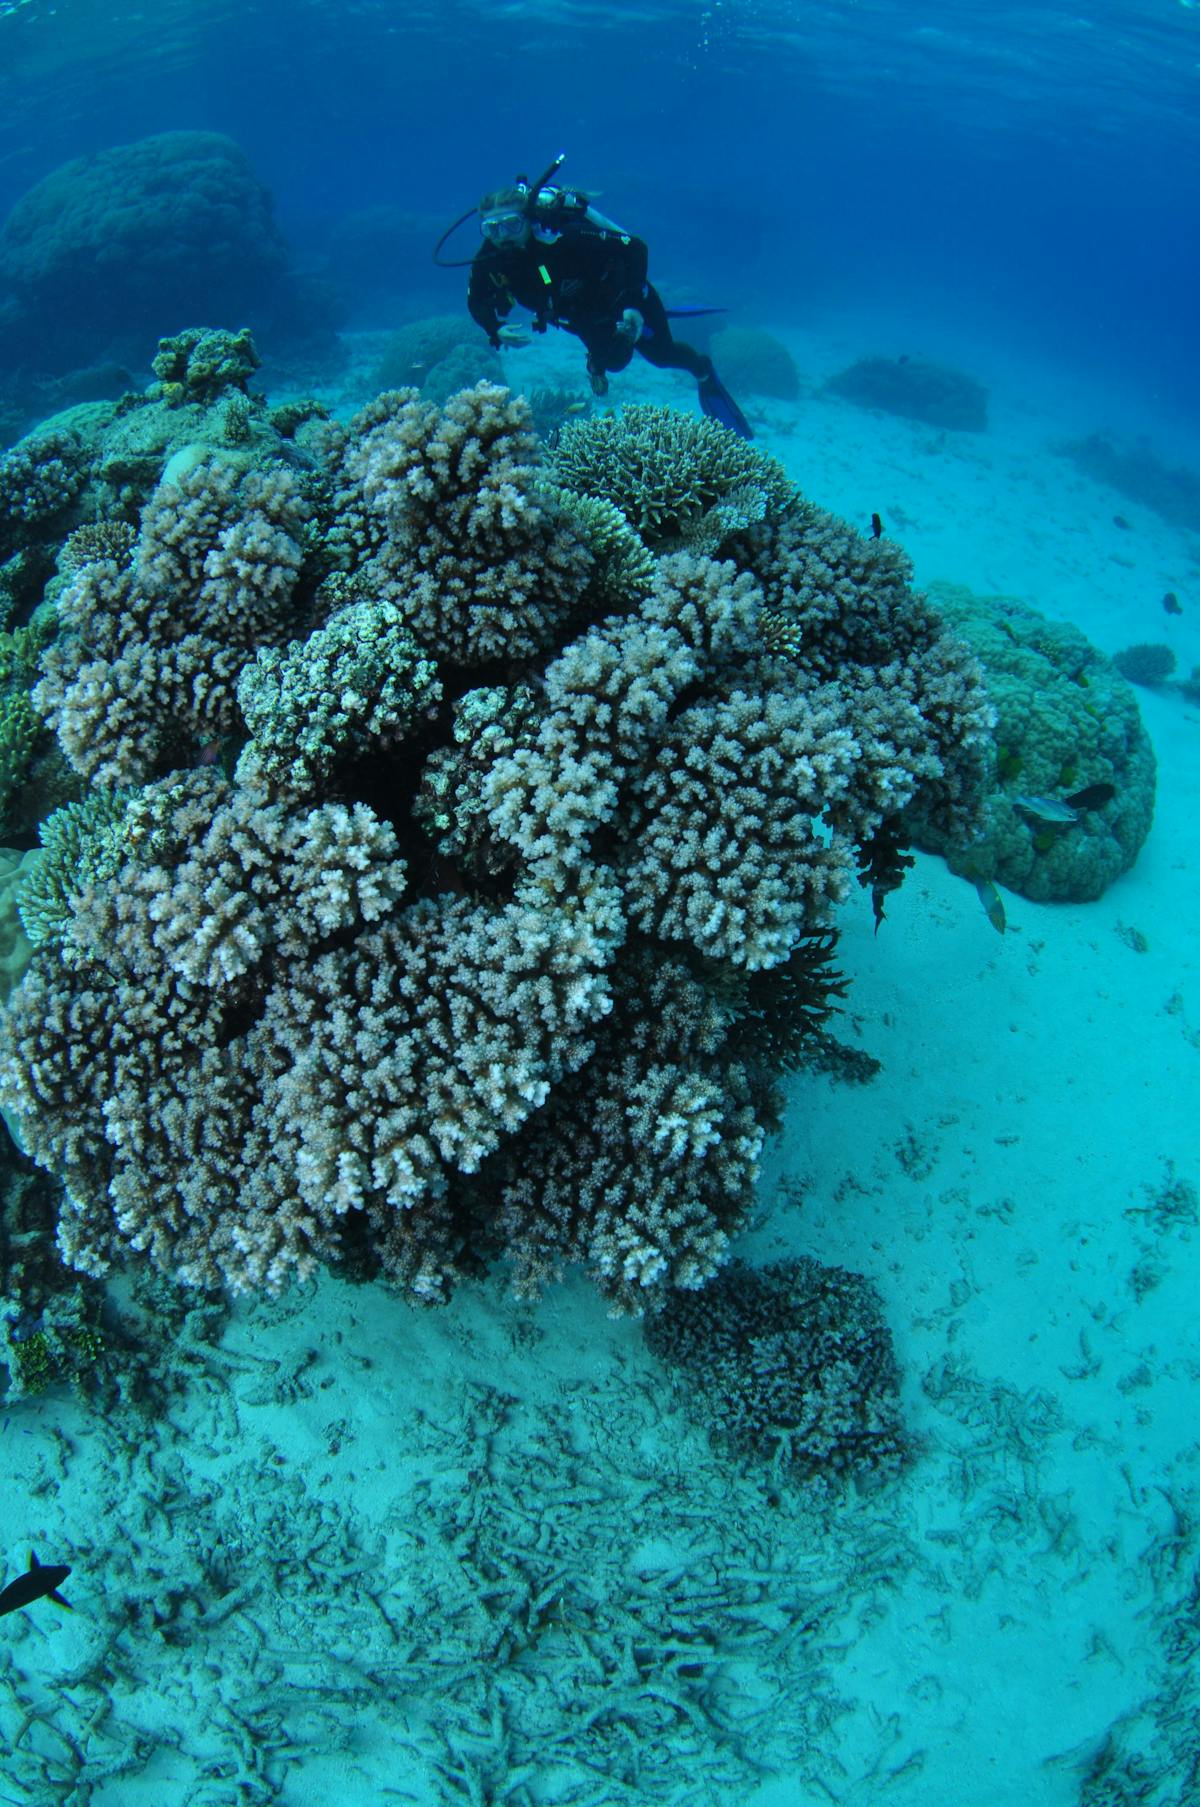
(451,965)
(97,542)
(625,565)
(23,739)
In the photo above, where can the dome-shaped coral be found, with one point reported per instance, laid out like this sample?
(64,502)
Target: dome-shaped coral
(1065,720)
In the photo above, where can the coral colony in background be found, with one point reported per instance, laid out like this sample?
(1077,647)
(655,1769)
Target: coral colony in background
(440,812)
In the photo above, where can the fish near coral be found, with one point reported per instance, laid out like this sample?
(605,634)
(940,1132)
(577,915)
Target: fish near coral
(1046,809)
(993,904)
(1057,812)
(1172,604)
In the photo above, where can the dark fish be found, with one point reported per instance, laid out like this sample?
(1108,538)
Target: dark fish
(876,527)
(903,358)
(1092,796)
(1172,603)
(38,1582)
(1120,521)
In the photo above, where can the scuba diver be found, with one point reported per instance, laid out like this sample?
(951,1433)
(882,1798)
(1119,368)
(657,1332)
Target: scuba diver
(547,249)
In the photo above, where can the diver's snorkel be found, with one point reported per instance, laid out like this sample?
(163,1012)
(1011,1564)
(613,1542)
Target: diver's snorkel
(535,191)
(531,195)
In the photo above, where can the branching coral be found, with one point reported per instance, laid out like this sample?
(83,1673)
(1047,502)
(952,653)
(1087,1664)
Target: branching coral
(446,502)
(146,668)
(449,965)
(40,477)
(668,472)
(358,682)
(791,1362)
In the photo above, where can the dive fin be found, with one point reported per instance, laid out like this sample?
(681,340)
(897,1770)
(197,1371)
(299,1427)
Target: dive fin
(717,403)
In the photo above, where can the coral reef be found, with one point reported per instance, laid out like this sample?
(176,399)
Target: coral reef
(1147,662)
(199,364)
(754,362)
(166,228)
(1137,471)
(552,408)
(144,672)
(668,474)
(80,842)
(437,355)
(15,945)
(1064,720)
(40,478)
(792,1363)
(915,390)
(444,957)
(31,766)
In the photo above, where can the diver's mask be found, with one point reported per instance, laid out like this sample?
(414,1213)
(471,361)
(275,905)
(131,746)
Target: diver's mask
(505,228)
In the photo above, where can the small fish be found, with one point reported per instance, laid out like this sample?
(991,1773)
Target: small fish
(580,407)
(876,527)
(40,1581)
(1172,603)
(1092,796)
(903,358)
(1046,809)
(993,904)
(1120,521)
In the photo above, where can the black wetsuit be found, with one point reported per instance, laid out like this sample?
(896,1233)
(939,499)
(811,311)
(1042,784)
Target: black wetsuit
(582,280)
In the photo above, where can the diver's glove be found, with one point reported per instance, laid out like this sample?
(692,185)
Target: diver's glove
(629,326)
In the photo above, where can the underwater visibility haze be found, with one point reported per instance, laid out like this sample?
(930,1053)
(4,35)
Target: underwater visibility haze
(599,1000)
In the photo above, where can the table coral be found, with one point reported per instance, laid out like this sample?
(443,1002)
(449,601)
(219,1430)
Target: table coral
(446,966)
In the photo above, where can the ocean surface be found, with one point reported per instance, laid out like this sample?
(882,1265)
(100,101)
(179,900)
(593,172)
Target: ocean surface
(327,1540)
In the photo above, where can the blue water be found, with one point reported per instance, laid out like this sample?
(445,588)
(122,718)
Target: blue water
(1033,167)
(332,1546)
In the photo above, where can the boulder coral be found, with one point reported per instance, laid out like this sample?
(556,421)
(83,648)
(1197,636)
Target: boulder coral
(437,959)
(1065,720)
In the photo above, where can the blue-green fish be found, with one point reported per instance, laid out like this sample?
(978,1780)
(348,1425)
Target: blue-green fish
(993,904)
